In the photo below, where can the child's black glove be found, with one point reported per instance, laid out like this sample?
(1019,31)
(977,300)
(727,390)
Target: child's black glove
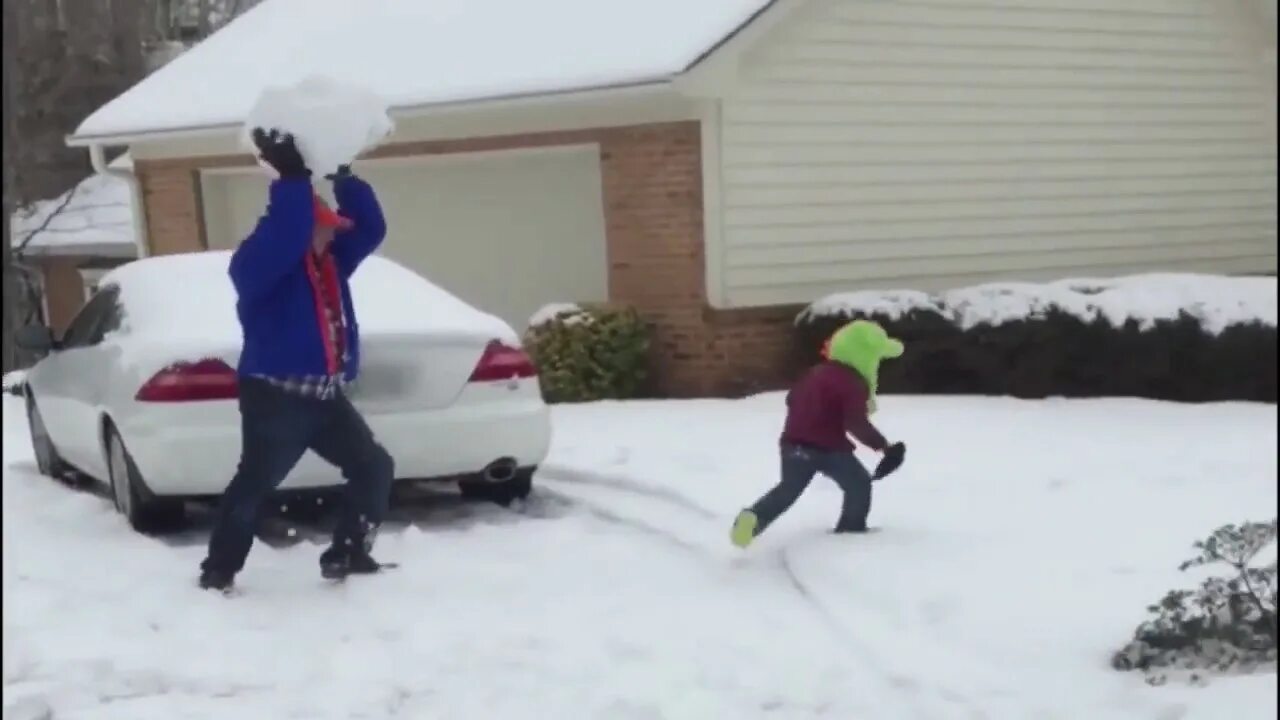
(280,152)
(892,460)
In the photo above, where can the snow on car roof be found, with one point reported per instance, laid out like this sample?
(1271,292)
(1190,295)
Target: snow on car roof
(185,305)
(412,52)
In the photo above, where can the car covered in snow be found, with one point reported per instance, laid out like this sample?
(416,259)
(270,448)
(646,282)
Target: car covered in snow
(140,391)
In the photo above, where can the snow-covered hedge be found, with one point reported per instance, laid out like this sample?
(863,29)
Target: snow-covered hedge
(586,353)
(1214,301)
(1174,337)
(1226,624)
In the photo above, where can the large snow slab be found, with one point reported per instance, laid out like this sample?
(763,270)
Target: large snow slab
(331,123)
(1020,545)
(412,52)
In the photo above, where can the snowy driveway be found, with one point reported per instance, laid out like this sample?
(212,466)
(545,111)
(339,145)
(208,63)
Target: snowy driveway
(1020,545)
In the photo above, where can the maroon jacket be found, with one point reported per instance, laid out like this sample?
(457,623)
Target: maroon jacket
(828,402)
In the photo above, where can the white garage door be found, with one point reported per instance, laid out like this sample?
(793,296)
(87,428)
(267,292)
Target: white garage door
(507,231)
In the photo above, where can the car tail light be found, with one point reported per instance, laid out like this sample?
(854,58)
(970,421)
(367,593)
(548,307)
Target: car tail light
(503,362)
(191,382)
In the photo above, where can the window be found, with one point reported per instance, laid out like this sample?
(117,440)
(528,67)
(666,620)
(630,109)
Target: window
(93,320)
(113,318)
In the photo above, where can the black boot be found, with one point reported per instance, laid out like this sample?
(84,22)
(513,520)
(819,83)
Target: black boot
(215,580)
(362,563)
(338,562)
(842,528)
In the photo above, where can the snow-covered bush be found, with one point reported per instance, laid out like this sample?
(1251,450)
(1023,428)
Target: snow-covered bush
(589,353)
(1227,623)
(1184,338)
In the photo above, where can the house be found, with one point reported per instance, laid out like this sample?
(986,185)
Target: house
(718,163)
(67,242)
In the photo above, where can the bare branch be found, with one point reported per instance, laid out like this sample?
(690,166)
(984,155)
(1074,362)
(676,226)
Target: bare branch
(62,206)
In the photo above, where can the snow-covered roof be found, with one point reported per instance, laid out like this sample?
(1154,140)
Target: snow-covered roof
(415,53)
(93,218)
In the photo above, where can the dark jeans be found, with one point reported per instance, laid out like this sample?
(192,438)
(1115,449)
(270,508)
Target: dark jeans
(277,427)
(799,465)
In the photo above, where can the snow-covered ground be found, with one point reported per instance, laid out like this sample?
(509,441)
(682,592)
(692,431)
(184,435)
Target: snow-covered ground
(1019,547)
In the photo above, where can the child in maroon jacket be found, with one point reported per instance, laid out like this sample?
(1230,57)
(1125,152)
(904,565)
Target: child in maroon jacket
(831,401)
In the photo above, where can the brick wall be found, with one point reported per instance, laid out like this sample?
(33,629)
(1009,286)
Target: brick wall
(63,291)
(652,194)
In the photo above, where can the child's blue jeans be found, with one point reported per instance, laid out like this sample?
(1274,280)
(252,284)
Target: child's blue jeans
(799,465)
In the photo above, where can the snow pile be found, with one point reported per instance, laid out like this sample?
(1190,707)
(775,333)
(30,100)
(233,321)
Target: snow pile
(95,216)
(182,307)
(566,312)
(1216,301)
(331,123)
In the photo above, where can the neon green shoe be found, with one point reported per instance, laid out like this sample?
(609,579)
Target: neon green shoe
(744,528)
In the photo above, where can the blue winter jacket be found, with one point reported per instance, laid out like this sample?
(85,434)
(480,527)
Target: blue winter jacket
(275,302)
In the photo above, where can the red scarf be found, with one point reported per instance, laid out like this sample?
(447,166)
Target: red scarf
(323,273)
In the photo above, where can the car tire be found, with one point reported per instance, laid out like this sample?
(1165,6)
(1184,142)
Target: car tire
(141,508)
(48,461)
(500,493)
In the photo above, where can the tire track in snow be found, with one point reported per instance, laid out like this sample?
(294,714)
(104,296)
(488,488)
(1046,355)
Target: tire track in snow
(608,516)
(612,516)
(903,684)
(903,688)
(698,552)
(572,476)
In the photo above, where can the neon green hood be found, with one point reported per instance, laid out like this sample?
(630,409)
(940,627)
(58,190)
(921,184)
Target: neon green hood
(862,345)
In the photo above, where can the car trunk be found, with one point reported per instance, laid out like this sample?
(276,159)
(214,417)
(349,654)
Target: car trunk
(413,371)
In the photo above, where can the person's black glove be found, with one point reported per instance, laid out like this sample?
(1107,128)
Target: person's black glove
(892,460)
(280,152)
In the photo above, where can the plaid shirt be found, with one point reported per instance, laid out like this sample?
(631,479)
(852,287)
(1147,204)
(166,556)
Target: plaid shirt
(320,387)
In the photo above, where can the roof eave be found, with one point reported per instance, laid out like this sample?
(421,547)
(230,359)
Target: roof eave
(628,89)
(114,250)
(707,74)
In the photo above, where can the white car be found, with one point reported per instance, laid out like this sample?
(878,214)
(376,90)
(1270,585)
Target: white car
(140,392)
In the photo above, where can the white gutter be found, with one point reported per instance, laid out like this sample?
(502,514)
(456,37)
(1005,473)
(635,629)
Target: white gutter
(641,88)
(98,159)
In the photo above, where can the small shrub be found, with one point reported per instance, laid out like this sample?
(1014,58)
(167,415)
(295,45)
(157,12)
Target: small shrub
(589,353)
(1226,624)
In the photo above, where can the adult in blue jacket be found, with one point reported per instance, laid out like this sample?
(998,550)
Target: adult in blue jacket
(301,347)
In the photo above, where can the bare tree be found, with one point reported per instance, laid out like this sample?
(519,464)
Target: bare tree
(9,359)
(62,60)
(189,21)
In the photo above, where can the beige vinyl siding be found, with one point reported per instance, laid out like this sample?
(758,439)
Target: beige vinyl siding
(933,143)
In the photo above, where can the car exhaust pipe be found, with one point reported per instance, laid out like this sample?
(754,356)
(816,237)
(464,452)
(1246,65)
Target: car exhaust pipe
(500,470)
